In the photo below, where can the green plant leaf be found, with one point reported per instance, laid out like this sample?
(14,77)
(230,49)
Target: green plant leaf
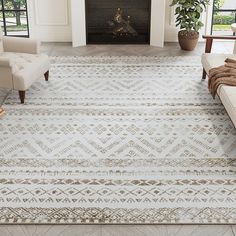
(188,13)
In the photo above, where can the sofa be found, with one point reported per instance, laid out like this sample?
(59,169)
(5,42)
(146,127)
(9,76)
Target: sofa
(227,94)
(21,64)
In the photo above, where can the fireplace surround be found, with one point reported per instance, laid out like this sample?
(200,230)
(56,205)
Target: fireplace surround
(157,22)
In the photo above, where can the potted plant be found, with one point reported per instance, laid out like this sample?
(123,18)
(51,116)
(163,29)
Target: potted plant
(188,14)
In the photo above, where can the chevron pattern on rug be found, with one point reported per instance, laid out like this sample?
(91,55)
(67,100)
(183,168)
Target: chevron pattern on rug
(118,140)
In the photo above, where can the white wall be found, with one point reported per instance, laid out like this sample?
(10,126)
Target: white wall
(170,29)
(50,20)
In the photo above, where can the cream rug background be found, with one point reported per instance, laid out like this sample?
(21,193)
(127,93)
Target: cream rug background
(118,140)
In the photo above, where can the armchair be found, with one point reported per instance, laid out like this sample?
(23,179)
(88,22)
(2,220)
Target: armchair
(227,94)
(21,64)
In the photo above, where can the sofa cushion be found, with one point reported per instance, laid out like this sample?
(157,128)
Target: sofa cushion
(26,68)
(211,60)
(1,43)
(227,95)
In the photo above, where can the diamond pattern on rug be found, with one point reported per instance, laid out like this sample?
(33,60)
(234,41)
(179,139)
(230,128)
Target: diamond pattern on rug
(118,140)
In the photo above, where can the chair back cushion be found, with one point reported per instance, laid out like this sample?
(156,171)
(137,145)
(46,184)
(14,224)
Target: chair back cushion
(1,43)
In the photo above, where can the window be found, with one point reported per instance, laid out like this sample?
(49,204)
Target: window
(224,14)
(14,17)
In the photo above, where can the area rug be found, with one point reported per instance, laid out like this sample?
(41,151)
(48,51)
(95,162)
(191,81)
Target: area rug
(118,140)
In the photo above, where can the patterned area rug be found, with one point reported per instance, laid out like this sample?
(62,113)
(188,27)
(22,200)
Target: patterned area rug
(133,140)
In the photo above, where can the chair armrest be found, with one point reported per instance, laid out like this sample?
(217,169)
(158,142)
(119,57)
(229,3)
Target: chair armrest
(6,72)
(4,62)
(20,45)
(210,38)
(219,37)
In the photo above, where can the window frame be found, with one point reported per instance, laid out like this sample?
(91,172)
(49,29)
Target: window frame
(3,11)
(221,10)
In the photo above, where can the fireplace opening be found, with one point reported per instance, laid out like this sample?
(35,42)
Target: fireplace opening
(118,21)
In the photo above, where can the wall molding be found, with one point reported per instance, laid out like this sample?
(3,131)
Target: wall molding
(44,18)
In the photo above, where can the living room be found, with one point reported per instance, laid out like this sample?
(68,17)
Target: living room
(117,117)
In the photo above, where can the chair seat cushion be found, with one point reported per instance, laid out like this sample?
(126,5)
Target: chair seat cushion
(211,60)
(27,68)
(227,95)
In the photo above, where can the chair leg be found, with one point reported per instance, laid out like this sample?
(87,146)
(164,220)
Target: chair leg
(22,96)
(204,74)
(46,75)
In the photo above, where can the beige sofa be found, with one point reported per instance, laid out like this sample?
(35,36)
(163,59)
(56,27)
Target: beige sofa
(227,94)
(21,64)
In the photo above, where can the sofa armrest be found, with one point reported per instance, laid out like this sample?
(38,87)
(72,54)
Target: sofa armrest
(210,38)
(20,45)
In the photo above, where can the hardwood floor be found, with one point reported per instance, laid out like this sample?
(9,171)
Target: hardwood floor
(170,49)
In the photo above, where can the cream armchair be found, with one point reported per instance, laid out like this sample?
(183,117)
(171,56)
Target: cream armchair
(21,64)
(227,94)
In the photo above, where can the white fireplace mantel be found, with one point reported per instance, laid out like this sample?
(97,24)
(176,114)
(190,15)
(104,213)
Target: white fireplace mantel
(79,23)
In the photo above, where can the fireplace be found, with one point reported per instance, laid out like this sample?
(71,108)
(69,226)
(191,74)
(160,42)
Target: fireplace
(79,24)
(118,21)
